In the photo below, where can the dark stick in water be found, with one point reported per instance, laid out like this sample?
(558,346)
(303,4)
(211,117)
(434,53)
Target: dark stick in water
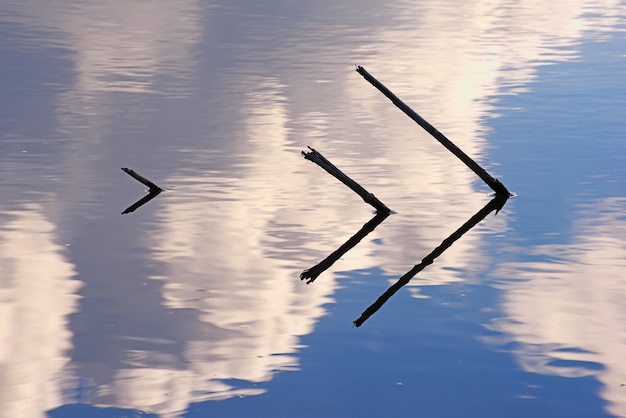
(368,197)
(480,172)
(152,193)
(153,187)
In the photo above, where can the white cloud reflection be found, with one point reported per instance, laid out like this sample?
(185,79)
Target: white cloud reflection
(119,46)
(566,313)
(449,61)
(218,261)
(229,239)
(215,264)
(37,293)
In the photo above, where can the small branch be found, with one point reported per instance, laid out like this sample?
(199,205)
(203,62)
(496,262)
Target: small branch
(152,193)
(494,205)
(153,187)
(495,184)
(311,274)
(368,197)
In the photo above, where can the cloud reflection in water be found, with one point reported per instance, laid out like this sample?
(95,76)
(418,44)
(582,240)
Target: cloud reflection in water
(37,293)
(566,313)
(229,237)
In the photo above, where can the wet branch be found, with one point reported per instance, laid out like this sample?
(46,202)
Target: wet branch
(152,193)
(153,187)
(368,197)
(495,204)
(480,172)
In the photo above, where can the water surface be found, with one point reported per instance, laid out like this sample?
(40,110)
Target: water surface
(192,304)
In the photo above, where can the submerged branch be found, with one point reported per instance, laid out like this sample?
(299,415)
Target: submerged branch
(368,197)
(153,187)
(495,184)
(152,193)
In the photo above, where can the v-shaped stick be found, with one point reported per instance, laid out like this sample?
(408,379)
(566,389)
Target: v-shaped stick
(382,212)
(152,193)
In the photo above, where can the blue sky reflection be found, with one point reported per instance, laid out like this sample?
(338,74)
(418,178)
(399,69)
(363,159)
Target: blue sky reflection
(198,291)
(566,312)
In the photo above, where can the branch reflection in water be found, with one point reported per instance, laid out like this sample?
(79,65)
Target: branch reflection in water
(151,195)
(496,204)
(311,274)
(153,192)
(382,212)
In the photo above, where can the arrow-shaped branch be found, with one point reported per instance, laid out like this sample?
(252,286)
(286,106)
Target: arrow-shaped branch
(152,193)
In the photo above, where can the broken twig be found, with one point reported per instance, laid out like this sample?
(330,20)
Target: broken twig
(480,172)
(368,197)
(152,193)
(153,187)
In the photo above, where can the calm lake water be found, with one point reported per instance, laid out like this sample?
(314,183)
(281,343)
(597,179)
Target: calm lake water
(192,305)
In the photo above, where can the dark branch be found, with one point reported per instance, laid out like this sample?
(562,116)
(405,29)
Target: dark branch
(368,197)
(152,193)
(153,187)
(495,184)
